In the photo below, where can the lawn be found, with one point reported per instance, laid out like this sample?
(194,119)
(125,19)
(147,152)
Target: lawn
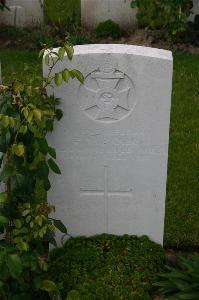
(182,208)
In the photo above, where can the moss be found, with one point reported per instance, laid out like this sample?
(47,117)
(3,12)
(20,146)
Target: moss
(107,266)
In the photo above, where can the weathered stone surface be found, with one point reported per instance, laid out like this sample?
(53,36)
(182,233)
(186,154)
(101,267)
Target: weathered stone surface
(112,142)
(23,13)
(195,10)
(120,11)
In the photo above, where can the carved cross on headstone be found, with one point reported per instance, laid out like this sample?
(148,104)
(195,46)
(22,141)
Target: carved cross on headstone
(107,97)
(105,192)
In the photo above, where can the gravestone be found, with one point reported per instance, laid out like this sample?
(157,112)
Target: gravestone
(112,143)
(119,11)
(195,10)
(23,13)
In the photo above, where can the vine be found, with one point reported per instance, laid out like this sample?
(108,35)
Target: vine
(169,15)
(27,114)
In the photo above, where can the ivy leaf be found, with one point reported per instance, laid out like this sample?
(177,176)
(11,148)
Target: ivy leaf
(70,51)
(23,129)
(54,167)
(4,220)
(14,265)
(52,152)
(43,145)
(3,197)
(61,53)
(18,149)
(5,121)
(30,116)
(77,74)
(17,223)
(23,246)
(66,75)
(60,226)
(46,59)
(18,87)
(48,286)
(41,52)
(28,90)
(58,79)
(59,114)
(37,114)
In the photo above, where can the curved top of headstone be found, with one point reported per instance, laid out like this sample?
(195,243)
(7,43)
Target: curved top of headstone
(123,49)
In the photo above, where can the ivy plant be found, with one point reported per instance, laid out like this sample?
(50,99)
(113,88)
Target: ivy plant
(169,15)
(27,114)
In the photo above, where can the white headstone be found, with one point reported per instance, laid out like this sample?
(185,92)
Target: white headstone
(23,13)
(112,142)
(120,11)
(195,10)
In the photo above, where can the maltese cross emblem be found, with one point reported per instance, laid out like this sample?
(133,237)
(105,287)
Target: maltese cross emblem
(106,94)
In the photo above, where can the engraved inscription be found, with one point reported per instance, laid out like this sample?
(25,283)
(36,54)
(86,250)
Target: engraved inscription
(107,95)
(114,146)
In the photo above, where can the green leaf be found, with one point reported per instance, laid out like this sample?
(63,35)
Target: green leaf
(3,197)
(66,75)
(60,226)
(52,152)
(17,223)
(41,52)
(58,79)
(77,74)
(23,129)
(48,286)
(37,114)
(18,149)
(14,265)
(43,145)
(4,220)
(1,284)
(5,121)
(59,114)
(73,295)
(61,53)
(30,116)
(69,50)
(25,212)
(54,167)
(18,87)
(23,246)
(28,90)
(46,59)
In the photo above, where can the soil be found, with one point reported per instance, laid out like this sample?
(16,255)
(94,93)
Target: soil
(153,39)
(31,39)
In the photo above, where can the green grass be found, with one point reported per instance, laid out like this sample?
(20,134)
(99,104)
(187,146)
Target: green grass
(107,267)
(21,65)
(182,206)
